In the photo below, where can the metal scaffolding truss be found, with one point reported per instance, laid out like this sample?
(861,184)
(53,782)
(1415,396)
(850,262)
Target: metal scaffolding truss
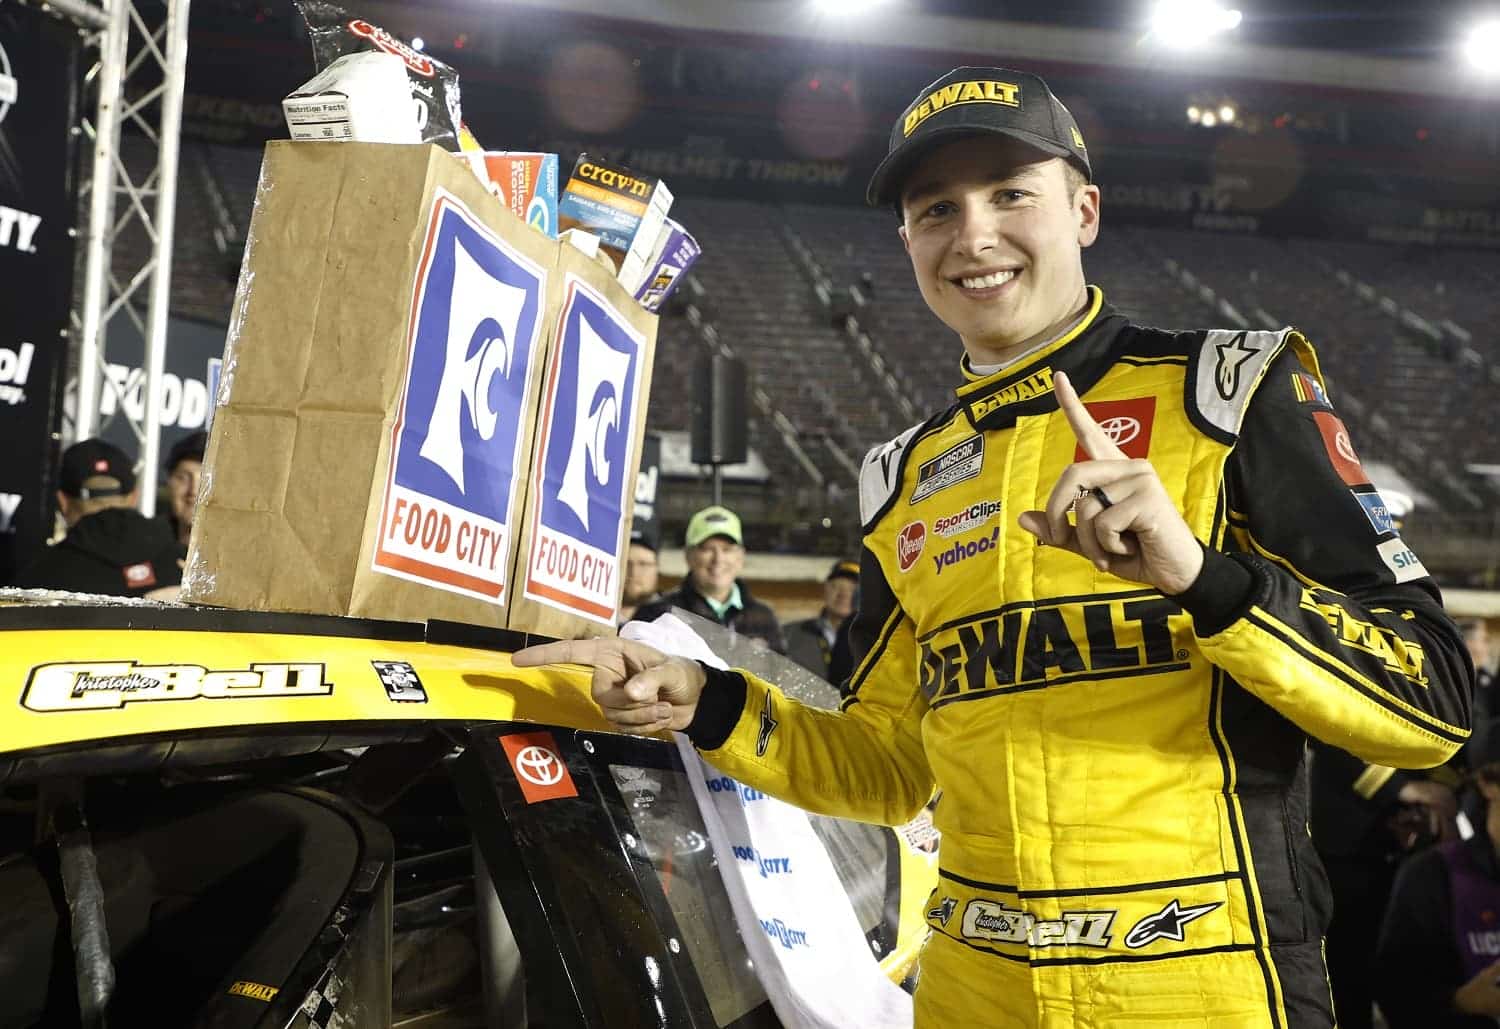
(137,80)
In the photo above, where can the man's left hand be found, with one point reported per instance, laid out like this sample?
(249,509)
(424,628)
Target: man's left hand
(1125,522)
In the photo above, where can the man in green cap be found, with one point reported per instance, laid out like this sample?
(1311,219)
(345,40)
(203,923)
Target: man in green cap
(714,546)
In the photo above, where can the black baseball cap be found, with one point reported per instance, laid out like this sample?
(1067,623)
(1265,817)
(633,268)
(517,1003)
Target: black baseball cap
(190,448)
(971,101)
(93,468)
(843,570)
(645,534)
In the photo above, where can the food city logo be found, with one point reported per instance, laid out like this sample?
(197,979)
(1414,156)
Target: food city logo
(18,229)
(414,59)
(789,938)
(971,517)
(909,543)
(447,509)
(103,685)
(961,551)
(979,91)
(15,369)
(957,464)
(725,784)
(583,478)
(1037,384)
(1030,647)
(766,866)
(1394,653)
(993,922)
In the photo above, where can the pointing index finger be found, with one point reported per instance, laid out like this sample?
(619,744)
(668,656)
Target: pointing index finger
(1094,440)
(576,652)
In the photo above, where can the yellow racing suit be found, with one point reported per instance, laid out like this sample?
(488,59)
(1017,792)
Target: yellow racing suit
(1121,774)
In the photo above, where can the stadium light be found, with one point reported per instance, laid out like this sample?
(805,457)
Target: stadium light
(1209,120)
(1227,113)
(418,43)
(1186,23)
(1194,113)
(1482,47)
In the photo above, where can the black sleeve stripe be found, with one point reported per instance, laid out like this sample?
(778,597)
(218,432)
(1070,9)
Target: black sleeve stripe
(873,657)
(1416,719)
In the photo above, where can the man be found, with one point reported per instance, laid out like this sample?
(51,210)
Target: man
(110,548)
(811,641)
(1437,965)
(184,471)
(1106,648)
(714,546)
(640,572)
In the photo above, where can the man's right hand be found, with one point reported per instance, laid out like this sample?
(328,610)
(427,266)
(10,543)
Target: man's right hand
(1480,995)
(639,689)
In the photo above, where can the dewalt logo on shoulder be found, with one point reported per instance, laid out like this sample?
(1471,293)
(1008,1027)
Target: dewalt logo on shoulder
(985,91)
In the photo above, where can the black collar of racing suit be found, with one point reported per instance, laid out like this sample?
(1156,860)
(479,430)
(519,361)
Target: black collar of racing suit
(1086,352)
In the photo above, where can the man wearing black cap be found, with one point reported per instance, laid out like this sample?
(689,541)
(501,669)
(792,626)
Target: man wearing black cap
(184,472)
(110,548)
(810,642)
(642,570)
(1105,598)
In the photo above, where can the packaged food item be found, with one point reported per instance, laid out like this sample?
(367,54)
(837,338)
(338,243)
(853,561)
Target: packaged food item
(623,209)
(358,97)
(675,252)
(524,182)
(432,84)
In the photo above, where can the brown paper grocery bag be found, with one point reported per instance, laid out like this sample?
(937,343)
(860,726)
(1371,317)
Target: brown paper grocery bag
(591,423)
(370,454)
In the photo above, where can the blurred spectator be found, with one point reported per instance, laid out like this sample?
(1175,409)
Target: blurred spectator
(110,548)
(640,573)
(714,546)
(1437,964)
(184,468)
(810,642)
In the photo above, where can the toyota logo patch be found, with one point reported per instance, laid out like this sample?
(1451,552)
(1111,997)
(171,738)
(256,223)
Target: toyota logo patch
(540,770)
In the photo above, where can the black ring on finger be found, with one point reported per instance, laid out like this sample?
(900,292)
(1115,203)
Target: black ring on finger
(1098,494)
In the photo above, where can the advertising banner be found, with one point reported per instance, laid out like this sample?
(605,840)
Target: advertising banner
(38,71)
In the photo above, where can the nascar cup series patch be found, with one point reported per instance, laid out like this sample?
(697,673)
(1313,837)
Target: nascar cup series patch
(589,411)
(446,513)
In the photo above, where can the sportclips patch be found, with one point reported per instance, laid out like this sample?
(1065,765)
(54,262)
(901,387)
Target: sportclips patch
(959,463)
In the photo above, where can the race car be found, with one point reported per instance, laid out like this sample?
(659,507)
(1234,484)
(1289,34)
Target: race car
(234,819)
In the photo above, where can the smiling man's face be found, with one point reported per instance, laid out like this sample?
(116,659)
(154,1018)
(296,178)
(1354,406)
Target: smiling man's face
(995,231)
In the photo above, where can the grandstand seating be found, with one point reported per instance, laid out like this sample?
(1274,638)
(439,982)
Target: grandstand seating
(1401,333)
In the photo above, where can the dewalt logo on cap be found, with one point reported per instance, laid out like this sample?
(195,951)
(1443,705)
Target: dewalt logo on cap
(984,91)
(1077,138)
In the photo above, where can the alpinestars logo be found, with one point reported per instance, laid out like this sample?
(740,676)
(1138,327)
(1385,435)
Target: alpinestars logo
(1232,357)
(446,512)
(1167,924)
(582,473)
(768,724)
(944,911)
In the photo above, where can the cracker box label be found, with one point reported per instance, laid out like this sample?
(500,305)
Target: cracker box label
(589,409)
(449,502)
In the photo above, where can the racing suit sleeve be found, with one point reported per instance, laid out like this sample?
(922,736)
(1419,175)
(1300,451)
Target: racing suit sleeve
(864,761)
(1323,612)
